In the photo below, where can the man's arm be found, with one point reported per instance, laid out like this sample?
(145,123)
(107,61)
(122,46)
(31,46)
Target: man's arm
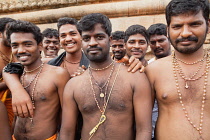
(69,113)
(21,101)
(143,108)
(134,65)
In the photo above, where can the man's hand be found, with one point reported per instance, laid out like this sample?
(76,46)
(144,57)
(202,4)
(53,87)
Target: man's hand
(21,104)
(79,71)
(134,65)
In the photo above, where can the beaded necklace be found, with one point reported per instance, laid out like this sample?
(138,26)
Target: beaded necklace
(103,116)
(32,93)
(72,62)
(101,68)
(206,72)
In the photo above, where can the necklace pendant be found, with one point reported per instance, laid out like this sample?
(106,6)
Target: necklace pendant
(186,85)
(102,95)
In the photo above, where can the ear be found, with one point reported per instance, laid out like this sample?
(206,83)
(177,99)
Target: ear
(1,35)
(208,27)
(40,46)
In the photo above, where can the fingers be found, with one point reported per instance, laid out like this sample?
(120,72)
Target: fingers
(15,110)
(142,69)
(19,111)
(134,65)
(30,109)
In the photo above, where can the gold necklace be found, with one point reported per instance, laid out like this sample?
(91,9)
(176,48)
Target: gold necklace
(101,68)
(5,58)
(33,69)
(103,116)
(72,62)
(105,84)
(22,77)
(198,128)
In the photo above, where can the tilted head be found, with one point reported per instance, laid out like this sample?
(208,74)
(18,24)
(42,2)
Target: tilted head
(69,36)
(50,42)
(187,22)
(159,42)
(3,24)
(118,45)
(136,41)
(95,30)
(25,39)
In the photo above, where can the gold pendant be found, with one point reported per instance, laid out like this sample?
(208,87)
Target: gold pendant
(102,95)
(186,85)
(102,120)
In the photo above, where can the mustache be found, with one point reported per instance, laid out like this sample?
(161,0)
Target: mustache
(157,49)
(137,50)
(22,54)
(190,38)
(94,48)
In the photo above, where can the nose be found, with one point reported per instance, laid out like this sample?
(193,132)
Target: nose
(21,49)
(157,44)
(93,42)
(186,32)
(68,38)
(51,44)
(136,45)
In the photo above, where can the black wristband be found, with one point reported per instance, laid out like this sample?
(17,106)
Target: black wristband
(14,68)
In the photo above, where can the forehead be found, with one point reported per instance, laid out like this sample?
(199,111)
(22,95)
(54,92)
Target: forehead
(96,30)
(67,28)
(137,37)
(20,37)
(120,41)
(187,18)
(157,37)
(51,39)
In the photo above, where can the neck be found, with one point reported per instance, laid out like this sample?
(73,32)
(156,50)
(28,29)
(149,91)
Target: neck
(74,57)
(144,62)
(101,65)
(33,66)
(5,50)
(190,57)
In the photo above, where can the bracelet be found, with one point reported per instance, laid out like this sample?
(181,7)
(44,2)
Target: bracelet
(14,68)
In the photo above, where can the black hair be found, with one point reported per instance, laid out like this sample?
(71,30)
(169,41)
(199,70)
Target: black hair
(3,23)
(117,35)
(24,27)
(177,7)
(157,29)
(66,20)
(50,33)
(136,29)
(88,22)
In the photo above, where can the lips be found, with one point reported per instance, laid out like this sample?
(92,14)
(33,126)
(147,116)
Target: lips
(70,45)
(158,50)
(23,58)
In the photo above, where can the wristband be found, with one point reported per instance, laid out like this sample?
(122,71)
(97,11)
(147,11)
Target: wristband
(14,68)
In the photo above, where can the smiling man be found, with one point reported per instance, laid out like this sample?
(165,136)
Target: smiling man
(25,39)
(183,102)
(136,42)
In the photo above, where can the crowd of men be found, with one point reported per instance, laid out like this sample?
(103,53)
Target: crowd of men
(87,93)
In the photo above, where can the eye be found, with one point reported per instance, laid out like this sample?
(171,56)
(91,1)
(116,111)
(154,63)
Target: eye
(14,46)
(196,24)
(100,37)
(73,33)
(28,44)
(86,39)
(161,41)
(142,42)
(121,46)
(176,27)
(62,35)
(152,42)
(131,42)
(114,46)
(47,42)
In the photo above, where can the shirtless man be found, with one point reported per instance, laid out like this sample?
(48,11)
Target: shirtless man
(183,103)
(4,124)
(136,42)
(118,46)
(99,95)
(51,45)
(5,58)
(44,83)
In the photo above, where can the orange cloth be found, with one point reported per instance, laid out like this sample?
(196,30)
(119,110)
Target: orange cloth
(51,138)
(8,103)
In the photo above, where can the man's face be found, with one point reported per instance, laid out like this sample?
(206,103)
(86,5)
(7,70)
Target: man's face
(70,38)
(160,45)
(118,48)
(187,32)
(96,44)
(25,48)
(136,46)
(51,46)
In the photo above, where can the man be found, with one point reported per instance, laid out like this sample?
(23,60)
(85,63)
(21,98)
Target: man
(25,39)
(118,46)
(183,103)
(4,124)
(136,42)
(159,42)
(99,95)
(51,44)
(160,46)
(5,58)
